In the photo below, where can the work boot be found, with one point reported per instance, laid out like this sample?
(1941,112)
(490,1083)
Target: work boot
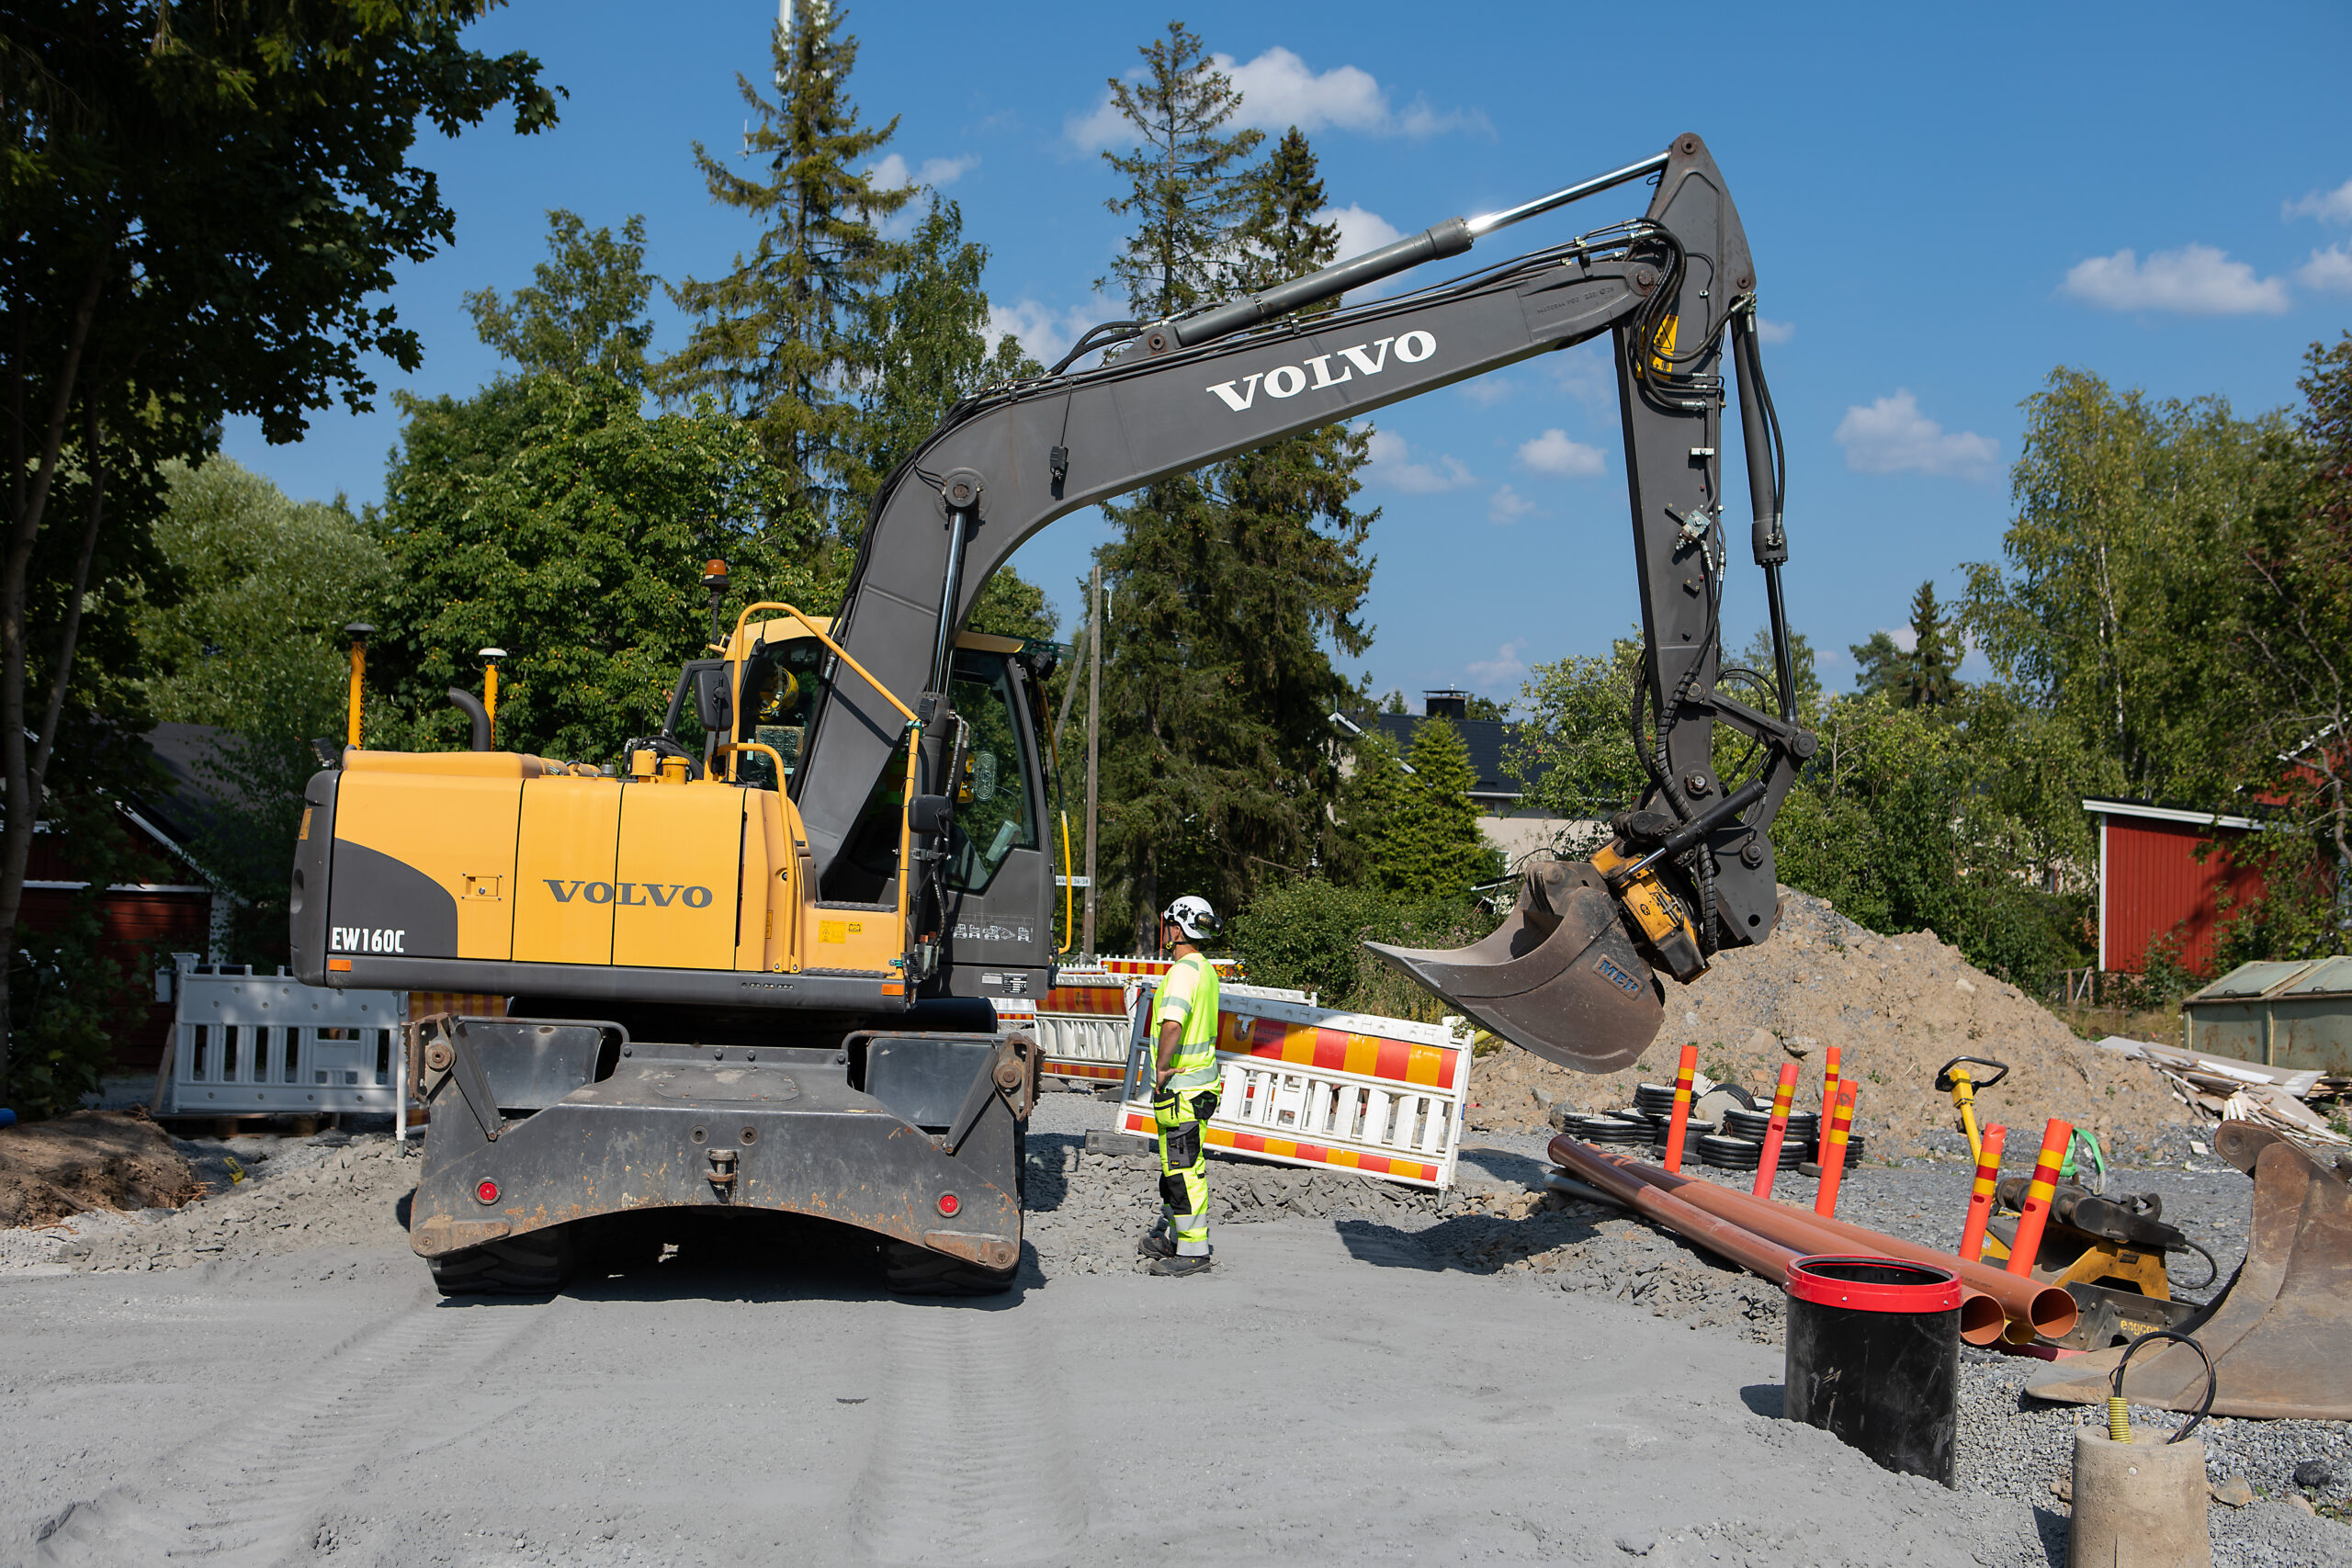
(1155,1245)
(1178,1268)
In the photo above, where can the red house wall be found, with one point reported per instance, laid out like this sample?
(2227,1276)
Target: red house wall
(140,930)
(2152,884)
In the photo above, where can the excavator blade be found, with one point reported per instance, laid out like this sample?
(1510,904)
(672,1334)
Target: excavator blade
(2276,1334)
(1559,977)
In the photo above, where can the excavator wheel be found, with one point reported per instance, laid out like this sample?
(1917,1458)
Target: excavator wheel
(914,1270)
(534,1265)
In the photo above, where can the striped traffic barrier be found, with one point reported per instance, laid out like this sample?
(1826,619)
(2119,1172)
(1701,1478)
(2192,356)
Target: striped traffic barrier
(2056,1137)
(1768,1164)
(1829,1081)
(1832,1157)
(1980,1196)
(1306,1085)
(1683,1073)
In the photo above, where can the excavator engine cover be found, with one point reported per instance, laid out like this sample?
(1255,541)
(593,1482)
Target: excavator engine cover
(1560,977)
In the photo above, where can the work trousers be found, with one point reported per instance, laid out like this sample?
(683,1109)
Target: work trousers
(1184,1166)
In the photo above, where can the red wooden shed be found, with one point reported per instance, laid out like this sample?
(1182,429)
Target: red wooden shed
(2152,884)
(168,905)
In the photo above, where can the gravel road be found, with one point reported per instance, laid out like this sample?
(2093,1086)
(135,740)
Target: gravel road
(1368,1375)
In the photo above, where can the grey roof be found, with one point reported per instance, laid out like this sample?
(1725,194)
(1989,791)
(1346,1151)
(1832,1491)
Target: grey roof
(1489,740)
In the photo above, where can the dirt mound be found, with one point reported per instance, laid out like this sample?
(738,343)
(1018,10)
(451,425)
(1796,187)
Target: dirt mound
(1897,1008)
(91,1159)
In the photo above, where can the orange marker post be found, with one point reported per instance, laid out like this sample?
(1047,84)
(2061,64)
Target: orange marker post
(2055,1139)
(1681,1118)
(1980,1197)
(1833,1152)
(1767,1165)
(1829,1082)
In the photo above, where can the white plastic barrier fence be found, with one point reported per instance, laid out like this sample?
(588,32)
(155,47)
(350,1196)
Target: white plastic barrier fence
(1312,1086)
(1082,1023)
(243,1043)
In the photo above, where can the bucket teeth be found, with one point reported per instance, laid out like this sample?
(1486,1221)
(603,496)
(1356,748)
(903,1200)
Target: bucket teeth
(1559,977)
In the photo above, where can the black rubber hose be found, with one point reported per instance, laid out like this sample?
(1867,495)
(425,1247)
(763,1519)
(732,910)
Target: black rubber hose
(2212,1384)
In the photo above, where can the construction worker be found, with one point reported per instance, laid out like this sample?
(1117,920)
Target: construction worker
(1183,1026)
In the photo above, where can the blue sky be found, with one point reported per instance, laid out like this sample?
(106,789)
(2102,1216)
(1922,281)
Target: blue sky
(1944,205)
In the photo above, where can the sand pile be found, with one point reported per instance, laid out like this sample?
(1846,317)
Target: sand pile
(91,1159)
(1897,1008)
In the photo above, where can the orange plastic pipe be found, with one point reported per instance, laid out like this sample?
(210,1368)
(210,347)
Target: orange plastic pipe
(1681,1119)
(1832,1151)
(1980,1197)
(2055,1139)
(2045,1309)
(1757,1254)
(1767,1165)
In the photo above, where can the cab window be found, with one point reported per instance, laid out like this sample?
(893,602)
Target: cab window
(992,814)
(779,689)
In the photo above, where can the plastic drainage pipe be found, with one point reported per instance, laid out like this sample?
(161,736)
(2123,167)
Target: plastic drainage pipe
(2045,1309)
(1750,1251)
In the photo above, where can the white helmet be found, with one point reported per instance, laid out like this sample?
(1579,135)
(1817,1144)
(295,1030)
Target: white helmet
(1191,915)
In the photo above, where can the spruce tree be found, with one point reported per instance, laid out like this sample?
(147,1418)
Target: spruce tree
(783,340)
(1930,683)
(1165,716)
(1414,835)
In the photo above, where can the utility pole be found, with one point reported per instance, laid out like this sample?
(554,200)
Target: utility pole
(1093,737)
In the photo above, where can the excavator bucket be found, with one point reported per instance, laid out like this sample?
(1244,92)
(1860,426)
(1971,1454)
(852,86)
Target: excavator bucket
(1560,977)
(2277,1334)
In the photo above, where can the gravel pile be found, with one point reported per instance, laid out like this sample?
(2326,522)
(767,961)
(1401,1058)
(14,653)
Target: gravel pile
(266,1195)
(1897,1008)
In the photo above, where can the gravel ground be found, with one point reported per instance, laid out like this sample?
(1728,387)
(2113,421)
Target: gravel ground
(1087,1210)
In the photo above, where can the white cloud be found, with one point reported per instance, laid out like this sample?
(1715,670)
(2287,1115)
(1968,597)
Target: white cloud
(1507,669)
(2329,271)
(1770,330)
(1392,466)
(2327,206)
(1553,453)
(1487,390)
(1359,231)
(1044,332)
(1279,90)
(1893,436)
(892,173)
(1905,636)
(2195,280)
(1507,506)
(1587,373)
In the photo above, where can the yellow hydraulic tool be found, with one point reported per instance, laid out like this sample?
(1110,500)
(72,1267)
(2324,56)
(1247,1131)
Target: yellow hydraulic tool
(1070,891)
(1954,1078)
(358,632)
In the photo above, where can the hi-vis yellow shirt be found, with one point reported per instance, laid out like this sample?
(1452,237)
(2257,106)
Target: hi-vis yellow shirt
(1188,995)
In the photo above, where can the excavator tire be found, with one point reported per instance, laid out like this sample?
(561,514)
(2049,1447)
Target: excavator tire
(534,1265)
(914,1270)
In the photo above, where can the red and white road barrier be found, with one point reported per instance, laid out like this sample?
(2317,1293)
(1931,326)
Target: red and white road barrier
(1312,1086)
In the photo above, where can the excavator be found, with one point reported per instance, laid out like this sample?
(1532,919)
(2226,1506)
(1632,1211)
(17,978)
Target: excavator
(755,973)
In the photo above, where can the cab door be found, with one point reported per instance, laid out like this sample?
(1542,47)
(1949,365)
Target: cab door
(999,876)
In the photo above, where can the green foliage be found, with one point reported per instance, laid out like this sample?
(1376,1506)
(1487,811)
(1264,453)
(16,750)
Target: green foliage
(68,993)
(1186,194)
(1573,754)
(1922,677)
(548,516)
(1309,934)
(254,645)
(931,329)
(2122,569)
(583,309)
(1414,835)
(785,339)
(1955,819)
(1231,586)
(2293,642)
(201,200)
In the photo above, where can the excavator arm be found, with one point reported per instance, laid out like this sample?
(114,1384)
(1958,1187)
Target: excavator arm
(1692,870)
